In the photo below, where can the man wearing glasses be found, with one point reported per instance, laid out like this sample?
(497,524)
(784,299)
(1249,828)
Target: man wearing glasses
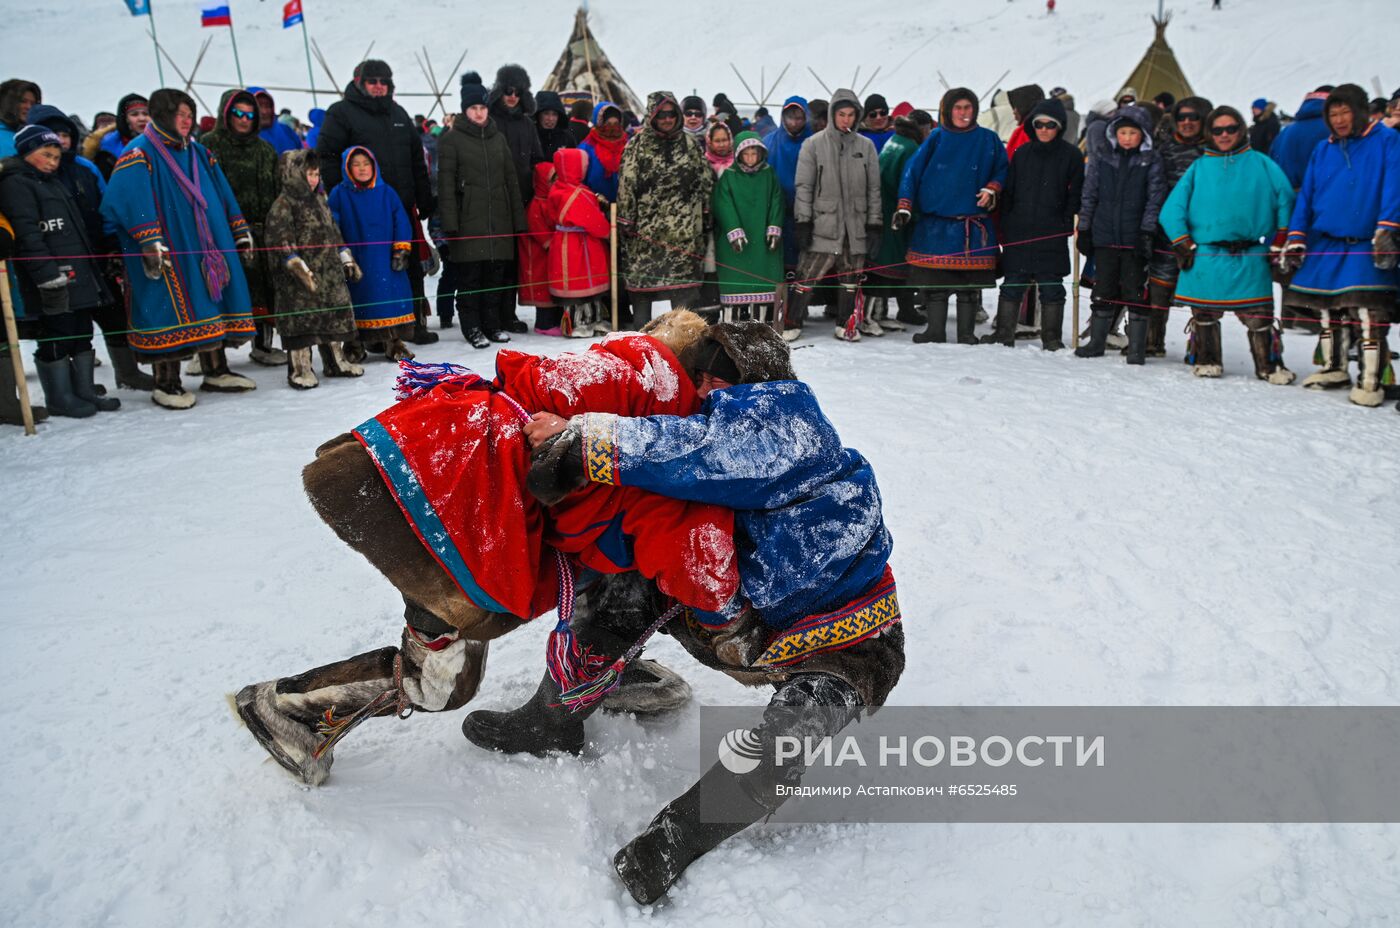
(1179,150)
(368,116)
(877,126)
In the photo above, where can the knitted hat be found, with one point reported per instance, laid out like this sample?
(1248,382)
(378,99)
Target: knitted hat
(693,102)
(1259,104)
(31,138)
(876,102)
(473,90)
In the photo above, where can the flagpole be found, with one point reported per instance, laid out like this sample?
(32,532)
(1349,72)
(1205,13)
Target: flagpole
(306,43)
(237,66)
(151,15)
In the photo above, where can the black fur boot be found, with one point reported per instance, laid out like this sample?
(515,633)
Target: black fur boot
(936,308)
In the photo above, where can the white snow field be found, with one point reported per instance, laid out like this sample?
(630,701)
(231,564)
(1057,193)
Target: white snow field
(1067,532)
(87,53)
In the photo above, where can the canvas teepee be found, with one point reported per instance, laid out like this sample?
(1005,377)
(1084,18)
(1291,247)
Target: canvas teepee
(584,71)
(1159,70)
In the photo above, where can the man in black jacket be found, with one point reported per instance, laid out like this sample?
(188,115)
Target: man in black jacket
(512,108)
(369,116)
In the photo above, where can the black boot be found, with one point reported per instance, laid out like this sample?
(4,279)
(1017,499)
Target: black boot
(936,307)
(56,377)
(969,302)
(83,364)
(795,311)
(1052,323)
(129,375)
(1161,298)
(1004,333)
(1100,324)
(264,352)
(10,412)
(909,313)
(422,335)
(1137,338)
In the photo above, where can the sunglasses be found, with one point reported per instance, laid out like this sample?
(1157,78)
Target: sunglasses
(694,114)
(241,114)
(1231,129)
(1188,117)
(878,113)
(376,82)
(666,114)
(511,92)
(1041,124)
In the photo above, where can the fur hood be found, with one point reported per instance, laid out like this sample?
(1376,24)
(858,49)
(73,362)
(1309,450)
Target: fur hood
(11,93)
(757,351)
(1135,116)
(1024,99)
(1352,96)
(511,75)
(945,109)
(163,105)
(292,170)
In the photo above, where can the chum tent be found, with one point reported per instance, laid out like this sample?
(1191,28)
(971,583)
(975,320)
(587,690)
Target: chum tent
(584,72)
(1159,70)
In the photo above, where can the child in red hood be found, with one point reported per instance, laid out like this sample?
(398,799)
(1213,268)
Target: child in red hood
(578,248)
(534,269)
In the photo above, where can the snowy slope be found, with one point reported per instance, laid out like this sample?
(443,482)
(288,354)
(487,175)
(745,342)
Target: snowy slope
(1067,532)
(1279,49)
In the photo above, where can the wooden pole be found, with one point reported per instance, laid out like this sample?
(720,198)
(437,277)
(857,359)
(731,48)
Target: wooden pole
(189,82)
(1074,330)
(237,65)
(819,80)
(151,16)
(310,73)
(12,337)
(612,256)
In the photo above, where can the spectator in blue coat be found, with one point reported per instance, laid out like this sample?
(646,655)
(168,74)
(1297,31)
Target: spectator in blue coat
(273,131)
(784,144)
(878,124)
(16,97)
(1343,240)
(1292,149)
(604,144)
(317,116)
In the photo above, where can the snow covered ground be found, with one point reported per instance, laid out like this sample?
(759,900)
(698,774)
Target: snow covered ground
(1067,532)
(1279,49)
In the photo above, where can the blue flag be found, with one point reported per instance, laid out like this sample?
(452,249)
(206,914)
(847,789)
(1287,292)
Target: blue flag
(139,7)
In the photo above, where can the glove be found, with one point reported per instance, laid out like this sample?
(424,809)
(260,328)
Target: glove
(873,235)
(53,296)
(1385,244)
(774,237)
(244,244)
(1084,241)
(1292,257)
(738,238)
(434,263)
(1185,253)
(352,270)
(298,269)
(155,259)
(399,262)
(1146,246)
(804,236)
(556,467)
(901,219)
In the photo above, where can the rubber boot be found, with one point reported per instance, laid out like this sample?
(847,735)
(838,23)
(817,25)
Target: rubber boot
(936,307)
(129,374)
(1161,299)
(1004,333)
(1100,324)
(56,377)
(10,412)
(969,303)
(83,364)
(1052,324)
(1138,324)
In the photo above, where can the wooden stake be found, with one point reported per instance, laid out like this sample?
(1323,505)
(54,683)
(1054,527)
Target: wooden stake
(612,257)
(752,95)
(820,81)
(1074,330)
(12,337)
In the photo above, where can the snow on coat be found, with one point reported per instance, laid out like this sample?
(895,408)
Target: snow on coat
(811,533)
(663,197)
(456,458)
(532,257)
(838,185)
(1351,189)
(748,201)
(177,314)
(374,224)
(941,184)
(1228,197)
(300,225)
(578,244)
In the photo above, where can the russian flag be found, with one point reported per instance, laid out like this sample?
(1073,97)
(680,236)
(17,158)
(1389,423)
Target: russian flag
(291,13)
(216,16)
